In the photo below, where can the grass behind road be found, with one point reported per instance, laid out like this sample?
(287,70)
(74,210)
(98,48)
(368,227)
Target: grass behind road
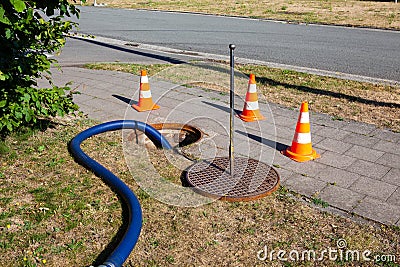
(343,12)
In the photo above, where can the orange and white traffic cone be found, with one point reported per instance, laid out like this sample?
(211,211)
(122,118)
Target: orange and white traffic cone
(301,149)
(251,111)
(145,99)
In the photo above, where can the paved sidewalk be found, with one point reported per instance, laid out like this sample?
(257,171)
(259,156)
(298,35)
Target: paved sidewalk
(359,168)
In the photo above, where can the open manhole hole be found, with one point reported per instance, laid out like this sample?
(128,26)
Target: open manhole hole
(252,179)
(177,134)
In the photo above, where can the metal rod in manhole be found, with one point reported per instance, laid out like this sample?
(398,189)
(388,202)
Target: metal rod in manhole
(232,101)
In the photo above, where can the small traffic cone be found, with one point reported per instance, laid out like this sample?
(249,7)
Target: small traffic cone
(251,111)
(145,99)
(301,149)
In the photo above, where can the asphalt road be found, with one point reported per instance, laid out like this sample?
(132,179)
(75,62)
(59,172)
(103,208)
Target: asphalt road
(366,52)
(78,51)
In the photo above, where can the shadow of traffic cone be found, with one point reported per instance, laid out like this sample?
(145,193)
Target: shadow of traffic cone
(251,111)
(145,99)
(301,149)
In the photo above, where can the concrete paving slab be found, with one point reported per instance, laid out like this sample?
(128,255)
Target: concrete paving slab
(338,177)
(394,199)
(82,98)
(329,132)
(341,198)
(376,189)
(171,103)
(284,174)
(387,146)
(305,185)
(262,129)
(281,160)
(390,160)
(359,127)
(283,133)
(378,210)
(162,112)
(332,145)
(364,153)
(386,135)
(336,160)
(316,139)
(361,140)
(290,114)
(327,120)
(392,177)
(310,168)
(369,169)
(103,117)
(285,122)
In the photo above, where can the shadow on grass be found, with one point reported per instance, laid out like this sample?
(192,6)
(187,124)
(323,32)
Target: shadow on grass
(271,82)
(117,237)
(28,129)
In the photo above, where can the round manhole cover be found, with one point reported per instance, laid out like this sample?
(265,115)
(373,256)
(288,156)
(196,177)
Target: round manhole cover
(252,179)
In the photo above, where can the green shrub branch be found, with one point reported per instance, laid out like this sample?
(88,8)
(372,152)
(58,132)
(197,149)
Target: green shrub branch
(29,31)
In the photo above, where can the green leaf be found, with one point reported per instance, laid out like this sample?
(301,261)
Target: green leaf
(8,34)
(19,5)
(21,104)
(29,16)
(28,117)
(3,76)
(3,19)
(18,115)
(26,97)
(9,126)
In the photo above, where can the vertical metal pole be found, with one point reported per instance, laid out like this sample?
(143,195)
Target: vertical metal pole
(232,110)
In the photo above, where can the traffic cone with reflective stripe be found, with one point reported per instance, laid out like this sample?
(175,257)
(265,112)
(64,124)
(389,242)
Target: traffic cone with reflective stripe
(145,99)
(301,149)
(251,111)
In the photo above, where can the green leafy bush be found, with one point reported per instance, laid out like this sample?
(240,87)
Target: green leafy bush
(30,29)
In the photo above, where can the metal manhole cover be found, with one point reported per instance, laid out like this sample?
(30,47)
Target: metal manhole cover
(252,179)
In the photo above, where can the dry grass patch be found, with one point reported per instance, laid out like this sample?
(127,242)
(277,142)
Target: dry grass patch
(355,13)
(152,69)
(53,212)
(343,99)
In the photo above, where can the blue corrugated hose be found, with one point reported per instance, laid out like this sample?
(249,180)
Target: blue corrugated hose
(128,242)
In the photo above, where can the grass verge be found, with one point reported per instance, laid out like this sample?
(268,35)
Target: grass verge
(380,14)
(343,99)
(53,212)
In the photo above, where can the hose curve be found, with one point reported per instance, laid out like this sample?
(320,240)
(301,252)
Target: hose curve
(128,241)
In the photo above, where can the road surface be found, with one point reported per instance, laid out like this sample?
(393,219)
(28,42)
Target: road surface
(366,52)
